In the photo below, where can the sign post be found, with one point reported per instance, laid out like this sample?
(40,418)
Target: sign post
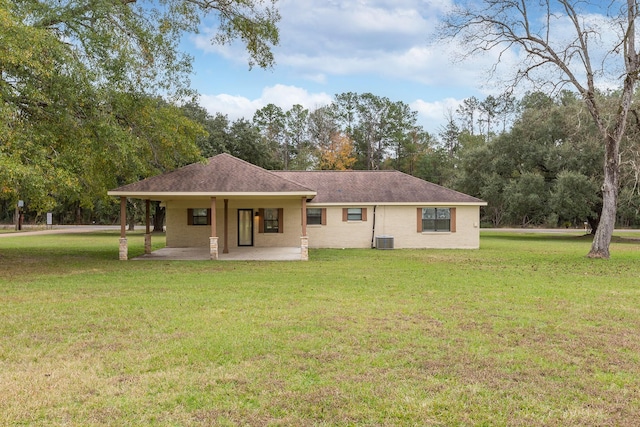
(20,214)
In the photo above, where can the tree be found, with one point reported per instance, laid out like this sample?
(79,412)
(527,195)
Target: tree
(376,125)
(369,135)
(449,135)
(216,128)
(270,120)
(526,199)
(407,140)
(467,113)
(532,29)
(574,197)
(488,111)
(338,154)
(80,83)
(244,141)
(322,127)
(297,137)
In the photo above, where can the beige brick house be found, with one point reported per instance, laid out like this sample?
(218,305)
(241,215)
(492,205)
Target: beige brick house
(226,204)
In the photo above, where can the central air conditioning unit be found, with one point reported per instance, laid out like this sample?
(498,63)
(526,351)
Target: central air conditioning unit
(384,242)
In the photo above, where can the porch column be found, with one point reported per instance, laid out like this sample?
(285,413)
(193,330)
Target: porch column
(123,229)
(147,233)
(304,240)
(304,216)
(213,239)
(225,249)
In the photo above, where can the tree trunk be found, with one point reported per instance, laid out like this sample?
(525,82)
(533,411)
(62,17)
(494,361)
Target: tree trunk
(158,218)
(16,218)
(604,232)
(131,220)
(78,215)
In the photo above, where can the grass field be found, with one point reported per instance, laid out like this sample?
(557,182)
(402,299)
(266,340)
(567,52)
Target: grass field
(525,331)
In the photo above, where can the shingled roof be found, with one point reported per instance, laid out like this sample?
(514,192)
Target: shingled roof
(225,174)
(219,174)
(349,187)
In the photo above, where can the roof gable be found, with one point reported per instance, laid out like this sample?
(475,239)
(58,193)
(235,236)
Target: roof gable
(219,174)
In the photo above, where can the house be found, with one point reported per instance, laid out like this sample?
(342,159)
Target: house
(227,203)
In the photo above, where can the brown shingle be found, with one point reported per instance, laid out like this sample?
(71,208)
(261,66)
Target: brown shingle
(227,174)
(219,174)
(374,187)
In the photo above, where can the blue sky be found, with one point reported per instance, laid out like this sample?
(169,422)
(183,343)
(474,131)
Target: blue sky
(328,47)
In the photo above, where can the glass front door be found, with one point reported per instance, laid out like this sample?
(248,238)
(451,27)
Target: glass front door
(245,227)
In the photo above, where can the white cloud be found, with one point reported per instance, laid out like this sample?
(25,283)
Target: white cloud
(236,107)
(323,39)
(287,96)
(434,115)
(365,39)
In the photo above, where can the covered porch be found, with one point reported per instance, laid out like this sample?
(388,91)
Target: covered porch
(223,206)
(218,228)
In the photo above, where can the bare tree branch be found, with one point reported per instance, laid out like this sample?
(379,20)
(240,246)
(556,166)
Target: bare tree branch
(520,26)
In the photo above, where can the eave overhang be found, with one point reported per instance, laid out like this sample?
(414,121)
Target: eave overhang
(163,195)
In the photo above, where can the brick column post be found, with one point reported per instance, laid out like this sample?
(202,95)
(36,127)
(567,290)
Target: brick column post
(213,247)
(147,243)
(304,248)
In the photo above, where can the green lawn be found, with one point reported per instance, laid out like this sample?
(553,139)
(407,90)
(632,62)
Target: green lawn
(525,331)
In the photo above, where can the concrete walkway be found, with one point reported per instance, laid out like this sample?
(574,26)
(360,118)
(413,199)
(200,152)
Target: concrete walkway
(58,229)
(169,254)
(236,254)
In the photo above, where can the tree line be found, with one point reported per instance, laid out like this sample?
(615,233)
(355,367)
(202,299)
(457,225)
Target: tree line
(89,94)
(535,160)
(94,95)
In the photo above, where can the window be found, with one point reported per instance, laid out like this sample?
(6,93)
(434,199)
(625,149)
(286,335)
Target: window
(316,216)
(199,217)
(354,214)
(271,221)
(436,219)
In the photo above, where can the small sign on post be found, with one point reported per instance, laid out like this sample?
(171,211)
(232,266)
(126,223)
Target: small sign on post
(49,220)
(19,215)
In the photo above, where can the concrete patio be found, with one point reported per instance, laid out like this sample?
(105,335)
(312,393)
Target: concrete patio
(237,254)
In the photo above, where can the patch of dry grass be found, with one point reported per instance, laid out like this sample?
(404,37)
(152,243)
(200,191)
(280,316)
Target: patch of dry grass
(525,331)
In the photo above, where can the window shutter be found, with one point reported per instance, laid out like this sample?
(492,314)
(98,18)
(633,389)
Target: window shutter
(261,220)
(189,216)
(280,220)
(208,216)
(364,214)
(345,212)
(323,217)
(419,220)
(453,219)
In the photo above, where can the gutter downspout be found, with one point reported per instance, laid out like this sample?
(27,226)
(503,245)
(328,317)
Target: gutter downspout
(373,229)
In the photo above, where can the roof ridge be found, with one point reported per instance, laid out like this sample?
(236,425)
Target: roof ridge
(337,171)
(262,169)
